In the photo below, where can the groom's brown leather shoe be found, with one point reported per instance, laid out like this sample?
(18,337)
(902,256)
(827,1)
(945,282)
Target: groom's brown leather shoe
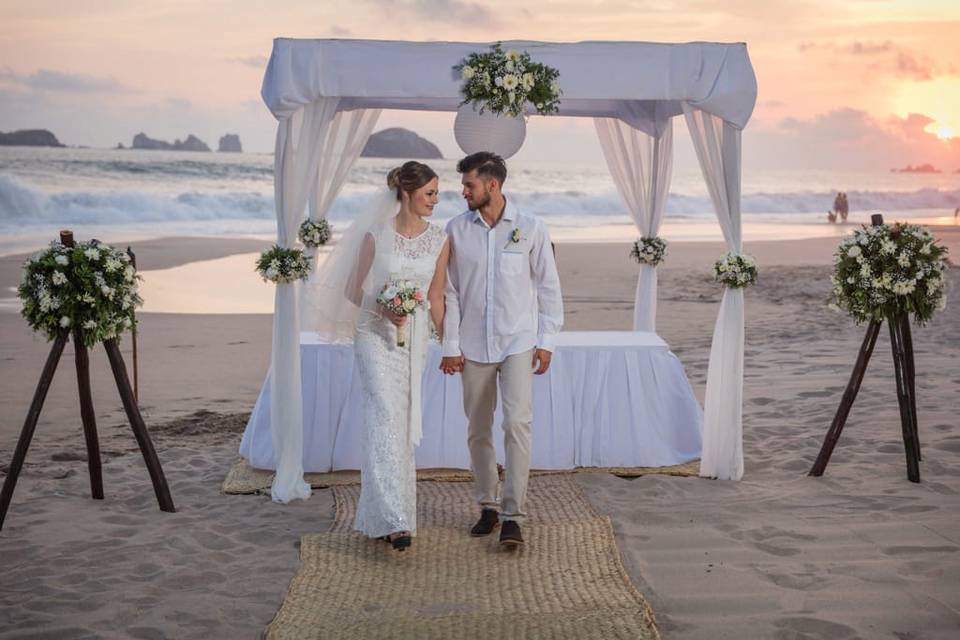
(510,534)
(486,524)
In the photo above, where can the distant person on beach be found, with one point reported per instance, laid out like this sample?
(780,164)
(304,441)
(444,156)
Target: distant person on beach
(831,216)
(956,214)
(844,206)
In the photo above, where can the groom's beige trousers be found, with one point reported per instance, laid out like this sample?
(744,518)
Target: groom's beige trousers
(515,377)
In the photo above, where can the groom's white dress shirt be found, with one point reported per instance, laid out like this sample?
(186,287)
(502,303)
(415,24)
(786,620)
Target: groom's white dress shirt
(503,296)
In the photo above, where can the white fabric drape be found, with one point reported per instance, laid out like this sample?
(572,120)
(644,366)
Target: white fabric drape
(609,399)
(717,144)
(641,166)
(308,141)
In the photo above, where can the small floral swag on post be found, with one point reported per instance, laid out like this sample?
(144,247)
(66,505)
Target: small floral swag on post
(277,265)
(91,288)
(505,82)
(649,251)
(314,233)
(735,270)
(885,270)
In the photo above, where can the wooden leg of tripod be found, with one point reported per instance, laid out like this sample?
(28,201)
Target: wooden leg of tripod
(849,395)
(911,378)
(88,416)
(138,426)
(30,424)
(910,444)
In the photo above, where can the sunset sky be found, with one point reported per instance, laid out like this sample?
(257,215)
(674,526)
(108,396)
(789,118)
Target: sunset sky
(863,84)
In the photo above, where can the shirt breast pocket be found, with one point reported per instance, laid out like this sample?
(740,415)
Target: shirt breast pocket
(512,263)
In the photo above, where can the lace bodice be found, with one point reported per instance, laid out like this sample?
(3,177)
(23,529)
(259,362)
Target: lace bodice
(417,256)
(397,256)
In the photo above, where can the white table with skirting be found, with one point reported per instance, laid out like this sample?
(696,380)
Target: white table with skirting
(609,399)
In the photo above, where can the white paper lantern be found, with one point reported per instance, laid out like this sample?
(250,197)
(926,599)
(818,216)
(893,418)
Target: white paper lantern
(502,135)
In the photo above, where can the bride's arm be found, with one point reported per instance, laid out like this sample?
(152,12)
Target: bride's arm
(354,288)
(437,287)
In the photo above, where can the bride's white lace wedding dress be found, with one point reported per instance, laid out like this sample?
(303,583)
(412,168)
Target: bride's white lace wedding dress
(390,378)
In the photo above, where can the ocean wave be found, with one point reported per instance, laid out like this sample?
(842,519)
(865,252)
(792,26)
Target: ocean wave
(21,204)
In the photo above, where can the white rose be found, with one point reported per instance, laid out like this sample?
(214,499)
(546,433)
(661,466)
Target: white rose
(271,273)
(925,249)
(467,72)
(409,305)
(64,321)
(62,260)
(509,65)
(513,55)
(58,278)
(555,87)
(498,81)
(853,251)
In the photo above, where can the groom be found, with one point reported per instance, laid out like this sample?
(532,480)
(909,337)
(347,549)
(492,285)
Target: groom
(503,314)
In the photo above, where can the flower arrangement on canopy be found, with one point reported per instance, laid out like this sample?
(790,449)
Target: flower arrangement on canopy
(886,270)
(314,233)
(91,288)
(735,270)
(277,264)
(505,82)
(650,251)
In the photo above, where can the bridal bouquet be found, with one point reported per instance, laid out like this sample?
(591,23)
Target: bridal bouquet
(314,233)
(401,297)
(649,251)
(885,270)
(505,81)
(90,288)
(735,270)
(277,264)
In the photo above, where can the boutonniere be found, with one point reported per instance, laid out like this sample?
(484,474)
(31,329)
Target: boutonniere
(515,236)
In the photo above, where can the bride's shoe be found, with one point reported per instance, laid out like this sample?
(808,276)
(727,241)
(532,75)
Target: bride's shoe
(399,541)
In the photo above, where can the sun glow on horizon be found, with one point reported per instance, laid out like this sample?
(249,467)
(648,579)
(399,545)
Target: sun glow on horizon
(944,132)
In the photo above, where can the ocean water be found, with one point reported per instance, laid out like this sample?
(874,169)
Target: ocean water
(127,194)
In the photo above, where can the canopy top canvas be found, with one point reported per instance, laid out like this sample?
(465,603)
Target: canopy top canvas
(637,82)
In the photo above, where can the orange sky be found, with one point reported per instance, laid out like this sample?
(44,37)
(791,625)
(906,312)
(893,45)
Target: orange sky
(842,75)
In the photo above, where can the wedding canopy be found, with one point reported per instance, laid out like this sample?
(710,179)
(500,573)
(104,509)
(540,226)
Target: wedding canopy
(327,96)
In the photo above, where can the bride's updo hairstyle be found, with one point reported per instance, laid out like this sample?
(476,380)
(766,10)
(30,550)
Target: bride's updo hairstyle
(409,177)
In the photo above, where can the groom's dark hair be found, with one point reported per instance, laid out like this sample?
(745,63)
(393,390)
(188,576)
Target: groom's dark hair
(486,163)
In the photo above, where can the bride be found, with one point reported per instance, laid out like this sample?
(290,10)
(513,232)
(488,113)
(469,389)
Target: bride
(393,240)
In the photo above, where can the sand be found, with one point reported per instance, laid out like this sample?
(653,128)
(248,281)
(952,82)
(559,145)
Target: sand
(860,552)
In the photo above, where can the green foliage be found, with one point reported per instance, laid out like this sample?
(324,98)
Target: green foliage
(91,287)
(886,270)
(506,82)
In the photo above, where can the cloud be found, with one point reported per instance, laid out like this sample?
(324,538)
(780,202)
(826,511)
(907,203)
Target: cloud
(258,62)
(858,48)
(61,81)
(910,67)
(850,139)
(457,12)
(886,56)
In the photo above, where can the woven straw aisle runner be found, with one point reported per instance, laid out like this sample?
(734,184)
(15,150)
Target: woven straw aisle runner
(566,582)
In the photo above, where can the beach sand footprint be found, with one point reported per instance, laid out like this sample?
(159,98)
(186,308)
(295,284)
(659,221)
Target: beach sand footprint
(802,627)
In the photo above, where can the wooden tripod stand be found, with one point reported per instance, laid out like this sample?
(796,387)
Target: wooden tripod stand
(901,343)
(88,417)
